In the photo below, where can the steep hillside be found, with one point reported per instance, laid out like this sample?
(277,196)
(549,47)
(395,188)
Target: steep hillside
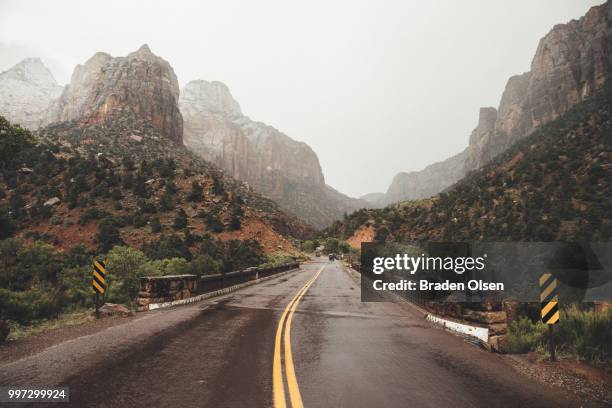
(283,169)
(125,181)
(571,63)
(555,184)
(26,92)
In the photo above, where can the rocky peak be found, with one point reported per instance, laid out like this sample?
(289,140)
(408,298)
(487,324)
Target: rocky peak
(33,71)
(283,169)
(211,96)
(26,91)
(143,52)
(252,151)
(142,85)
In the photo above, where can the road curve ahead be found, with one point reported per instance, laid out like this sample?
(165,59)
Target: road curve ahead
(301,339)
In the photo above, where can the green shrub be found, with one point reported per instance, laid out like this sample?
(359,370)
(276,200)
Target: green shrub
(9,274)
(331,245)
(40,261)
(205,265)
(581,333)
(7,225)
(196,192)
(180,221)
(243,254)
(177,266)
(308,246)
(155,225)
(75,285)
(213,222)
(171,246)
(163,267)
(14,142)
(24,307)
(278,258)
(123,266)
(525,335)
(585,334)
(108,234)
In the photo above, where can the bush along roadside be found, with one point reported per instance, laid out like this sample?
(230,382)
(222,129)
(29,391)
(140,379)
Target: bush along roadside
(39,283)
(582,333)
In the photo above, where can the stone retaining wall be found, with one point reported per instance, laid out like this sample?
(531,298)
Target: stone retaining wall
(164,289)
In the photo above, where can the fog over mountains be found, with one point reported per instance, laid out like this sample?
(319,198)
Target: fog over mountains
(571,63)
(393,84)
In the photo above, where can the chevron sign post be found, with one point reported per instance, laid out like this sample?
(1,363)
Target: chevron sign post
(550,307)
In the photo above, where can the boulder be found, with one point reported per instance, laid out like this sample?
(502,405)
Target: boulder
(52,201)
(112,309)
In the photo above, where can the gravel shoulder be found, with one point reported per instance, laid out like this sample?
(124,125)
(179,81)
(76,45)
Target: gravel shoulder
(15,350)
(579,378)
(49,358)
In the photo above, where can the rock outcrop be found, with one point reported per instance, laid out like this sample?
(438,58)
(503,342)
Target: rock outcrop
(283,169)
(26,91)
(571,63)
(427,182)
(105,88)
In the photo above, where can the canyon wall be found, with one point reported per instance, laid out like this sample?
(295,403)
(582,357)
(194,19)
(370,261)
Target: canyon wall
(281,168)
(571,62)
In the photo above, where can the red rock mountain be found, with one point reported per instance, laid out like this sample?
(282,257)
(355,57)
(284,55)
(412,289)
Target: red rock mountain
(571,62)
(106,88)
(283,169)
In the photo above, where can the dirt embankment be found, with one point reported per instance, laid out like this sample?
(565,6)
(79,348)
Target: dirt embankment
(363,234)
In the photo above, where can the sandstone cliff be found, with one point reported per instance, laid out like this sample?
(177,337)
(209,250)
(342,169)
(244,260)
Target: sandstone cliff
(283,169)
(106,88)
(571,62)
(26,91)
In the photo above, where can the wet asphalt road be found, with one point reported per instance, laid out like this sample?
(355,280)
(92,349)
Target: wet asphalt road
(346,354)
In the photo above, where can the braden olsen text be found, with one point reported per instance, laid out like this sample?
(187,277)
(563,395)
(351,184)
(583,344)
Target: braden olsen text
(424,284)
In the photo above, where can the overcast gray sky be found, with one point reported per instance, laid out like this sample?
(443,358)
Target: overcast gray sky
(374,87)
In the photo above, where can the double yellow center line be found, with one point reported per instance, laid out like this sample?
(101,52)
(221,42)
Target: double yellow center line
(278,384)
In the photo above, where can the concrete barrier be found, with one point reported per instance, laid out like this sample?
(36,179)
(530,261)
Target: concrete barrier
(163,291)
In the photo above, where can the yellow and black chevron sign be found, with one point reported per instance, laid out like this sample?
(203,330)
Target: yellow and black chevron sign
(99,277)
(549,299)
